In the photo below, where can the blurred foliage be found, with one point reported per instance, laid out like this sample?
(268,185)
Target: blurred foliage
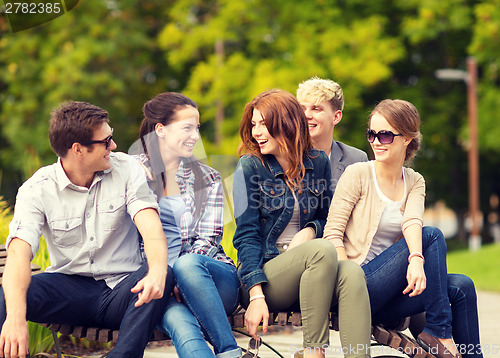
(98,53)
(119,54)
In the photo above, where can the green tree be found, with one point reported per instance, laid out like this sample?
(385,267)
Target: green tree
(267,44)
(101,52)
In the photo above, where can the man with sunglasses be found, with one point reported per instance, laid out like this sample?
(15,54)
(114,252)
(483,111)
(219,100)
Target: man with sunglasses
(88,206)
(323,102)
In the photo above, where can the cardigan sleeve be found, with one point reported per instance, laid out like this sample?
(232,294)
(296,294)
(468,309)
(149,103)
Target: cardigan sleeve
(415,203)
(346,196)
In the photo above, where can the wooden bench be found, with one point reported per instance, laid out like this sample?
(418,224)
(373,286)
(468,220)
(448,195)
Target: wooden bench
(382,336)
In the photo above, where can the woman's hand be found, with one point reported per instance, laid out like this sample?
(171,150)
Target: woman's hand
(256,312)
(177,294)
(304,235)
(415,276)
(146,170)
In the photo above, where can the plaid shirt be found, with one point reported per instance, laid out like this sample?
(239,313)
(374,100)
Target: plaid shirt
(204,235)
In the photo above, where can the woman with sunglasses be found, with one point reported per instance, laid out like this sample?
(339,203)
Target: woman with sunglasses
(376,220)
(191,211)
(281,197)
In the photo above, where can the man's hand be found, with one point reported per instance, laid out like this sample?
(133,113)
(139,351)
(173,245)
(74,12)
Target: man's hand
(14,338)
(177,294)
(151,287)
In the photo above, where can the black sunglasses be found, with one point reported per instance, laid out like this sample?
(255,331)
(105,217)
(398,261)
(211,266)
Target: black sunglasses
(384,137)
(106,141)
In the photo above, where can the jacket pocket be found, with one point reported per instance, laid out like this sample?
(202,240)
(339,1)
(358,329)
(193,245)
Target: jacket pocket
(272,195)
(316,190)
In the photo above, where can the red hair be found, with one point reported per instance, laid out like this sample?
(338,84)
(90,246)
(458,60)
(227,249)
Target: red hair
(287,123)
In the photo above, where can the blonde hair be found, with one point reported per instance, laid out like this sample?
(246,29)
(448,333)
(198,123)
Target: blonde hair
(319,90)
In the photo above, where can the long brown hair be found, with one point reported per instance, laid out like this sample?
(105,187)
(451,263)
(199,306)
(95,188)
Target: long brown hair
(287,123)
(162,109)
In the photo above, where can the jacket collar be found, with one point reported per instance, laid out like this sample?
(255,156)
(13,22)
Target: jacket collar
(336,154)
(276,169)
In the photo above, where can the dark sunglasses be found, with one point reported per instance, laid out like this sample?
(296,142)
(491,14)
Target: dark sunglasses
(384,137)
(106,141)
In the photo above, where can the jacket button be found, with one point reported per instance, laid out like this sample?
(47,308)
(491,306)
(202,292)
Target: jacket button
(272,192)
(300,191)
(304,211)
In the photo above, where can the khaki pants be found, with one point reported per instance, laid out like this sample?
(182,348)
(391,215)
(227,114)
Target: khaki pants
(309,276)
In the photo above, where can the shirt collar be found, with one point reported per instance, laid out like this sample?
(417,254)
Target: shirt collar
(183,170)
(184,175)
(64,182)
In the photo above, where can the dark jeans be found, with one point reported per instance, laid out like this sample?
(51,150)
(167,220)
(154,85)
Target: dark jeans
(78,300)
(449,300)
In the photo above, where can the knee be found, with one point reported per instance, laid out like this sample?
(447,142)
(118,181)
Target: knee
(325,252)
(433,234)
(461,287)
(351,274)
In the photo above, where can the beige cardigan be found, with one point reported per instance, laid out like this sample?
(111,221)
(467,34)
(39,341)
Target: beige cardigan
(356,209)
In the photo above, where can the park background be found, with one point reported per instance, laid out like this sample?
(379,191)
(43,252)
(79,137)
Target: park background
(118,54)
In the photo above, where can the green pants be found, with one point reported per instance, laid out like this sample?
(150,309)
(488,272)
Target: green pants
(310,275)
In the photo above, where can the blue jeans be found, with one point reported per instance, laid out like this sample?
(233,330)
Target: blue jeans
(210,290)
(386,280)
(79,300)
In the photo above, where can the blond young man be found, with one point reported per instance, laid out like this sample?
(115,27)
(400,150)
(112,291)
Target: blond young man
(323,102)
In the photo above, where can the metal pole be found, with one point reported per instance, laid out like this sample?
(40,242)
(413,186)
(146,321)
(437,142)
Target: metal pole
(473,155)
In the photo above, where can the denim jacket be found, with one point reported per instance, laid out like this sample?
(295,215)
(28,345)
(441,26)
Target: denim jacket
(263,207)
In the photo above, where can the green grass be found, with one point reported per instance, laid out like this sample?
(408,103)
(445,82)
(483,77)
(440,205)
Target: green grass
(482,266)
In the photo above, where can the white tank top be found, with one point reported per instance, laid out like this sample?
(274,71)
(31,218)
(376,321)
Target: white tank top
(389,228)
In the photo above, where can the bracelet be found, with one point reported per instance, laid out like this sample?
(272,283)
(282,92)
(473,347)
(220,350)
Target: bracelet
(416,254)
(256,297)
